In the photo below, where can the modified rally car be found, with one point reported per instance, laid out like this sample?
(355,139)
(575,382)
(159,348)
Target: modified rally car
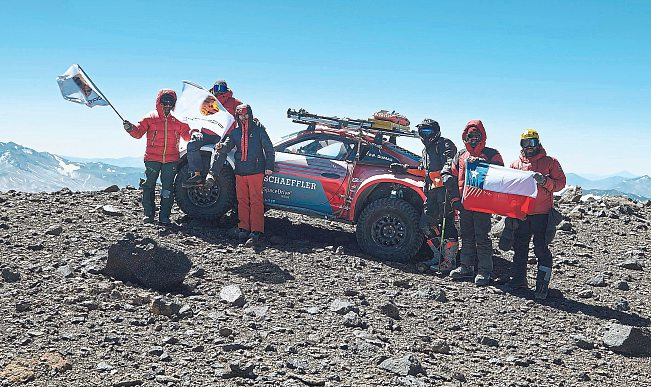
(338,169)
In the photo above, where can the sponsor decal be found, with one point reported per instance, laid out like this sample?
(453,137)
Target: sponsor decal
(290,182)
(276,191)
(375,154)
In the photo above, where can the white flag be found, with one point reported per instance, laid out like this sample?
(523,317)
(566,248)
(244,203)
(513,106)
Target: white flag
(77,88)
(200,109)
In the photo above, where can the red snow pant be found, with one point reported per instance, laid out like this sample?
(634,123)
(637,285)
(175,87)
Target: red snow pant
(250,204)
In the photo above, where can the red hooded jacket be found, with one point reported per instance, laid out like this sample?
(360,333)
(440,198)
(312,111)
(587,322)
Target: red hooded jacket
(163,133)
(229,103)
(458,167)
(551,168)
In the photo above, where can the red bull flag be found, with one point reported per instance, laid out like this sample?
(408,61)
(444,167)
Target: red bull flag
(499,190)
(198,108)
(76,87)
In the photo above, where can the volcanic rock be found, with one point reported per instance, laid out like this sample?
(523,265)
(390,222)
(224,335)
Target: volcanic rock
(403,366)
(628,340)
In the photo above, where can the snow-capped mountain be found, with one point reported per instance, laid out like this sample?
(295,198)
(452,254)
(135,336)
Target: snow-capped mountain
(24,169)
(638,188)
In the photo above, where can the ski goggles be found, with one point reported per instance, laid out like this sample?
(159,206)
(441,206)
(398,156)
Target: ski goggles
(425,132)
(529,143)
(219,89)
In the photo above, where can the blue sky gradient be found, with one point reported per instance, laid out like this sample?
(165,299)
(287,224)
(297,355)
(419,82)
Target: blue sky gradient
(579,72)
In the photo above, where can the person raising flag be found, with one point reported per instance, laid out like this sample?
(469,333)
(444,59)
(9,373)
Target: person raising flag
(162,131)
(550,178)
(475,243)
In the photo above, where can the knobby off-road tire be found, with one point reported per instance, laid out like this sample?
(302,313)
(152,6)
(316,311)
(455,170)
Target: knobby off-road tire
(199,202)
(388,230)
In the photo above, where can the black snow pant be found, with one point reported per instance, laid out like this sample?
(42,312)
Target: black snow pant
(536,226)
(194,151)
(433,214)
(476,245)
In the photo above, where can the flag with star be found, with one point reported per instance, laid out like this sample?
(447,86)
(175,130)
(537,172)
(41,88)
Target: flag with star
(499,190)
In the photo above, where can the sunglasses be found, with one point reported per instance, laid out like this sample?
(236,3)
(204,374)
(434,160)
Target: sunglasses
(219,89)
(529,142)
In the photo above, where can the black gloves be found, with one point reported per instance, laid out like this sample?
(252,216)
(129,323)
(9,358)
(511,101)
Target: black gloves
(539,178)
(128,126)
(398,168)
(456,205)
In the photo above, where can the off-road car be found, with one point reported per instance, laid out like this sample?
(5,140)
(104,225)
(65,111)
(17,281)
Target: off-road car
(337,169)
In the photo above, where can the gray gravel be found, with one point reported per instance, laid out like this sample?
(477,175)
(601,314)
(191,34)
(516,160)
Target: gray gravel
(310,309)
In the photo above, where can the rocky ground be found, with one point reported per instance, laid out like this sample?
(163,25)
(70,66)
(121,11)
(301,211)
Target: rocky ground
(310,309)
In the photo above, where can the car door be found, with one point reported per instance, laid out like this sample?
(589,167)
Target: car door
(310,173)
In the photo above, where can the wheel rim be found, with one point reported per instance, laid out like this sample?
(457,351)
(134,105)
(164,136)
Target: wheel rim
(388,231)
(203,197)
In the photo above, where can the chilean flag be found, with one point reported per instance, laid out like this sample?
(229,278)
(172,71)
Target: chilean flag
(499,190)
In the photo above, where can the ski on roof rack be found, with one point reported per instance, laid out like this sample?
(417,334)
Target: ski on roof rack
(375,126)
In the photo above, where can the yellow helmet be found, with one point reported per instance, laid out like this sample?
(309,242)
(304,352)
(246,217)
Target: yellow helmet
(529,133)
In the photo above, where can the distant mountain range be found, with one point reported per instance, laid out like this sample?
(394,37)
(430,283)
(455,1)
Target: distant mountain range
(24,169)
(638,188)
(133,162)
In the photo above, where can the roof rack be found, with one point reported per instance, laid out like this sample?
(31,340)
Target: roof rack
(301,116)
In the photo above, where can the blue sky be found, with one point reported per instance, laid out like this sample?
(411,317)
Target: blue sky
(579,72)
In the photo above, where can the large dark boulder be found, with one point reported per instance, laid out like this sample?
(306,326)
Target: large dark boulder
(146,262)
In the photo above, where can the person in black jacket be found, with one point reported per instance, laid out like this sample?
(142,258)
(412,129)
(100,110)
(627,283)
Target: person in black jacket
(254,158)
(438,153)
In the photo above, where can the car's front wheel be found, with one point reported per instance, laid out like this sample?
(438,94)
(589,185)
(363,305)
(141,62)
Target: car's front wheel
(388,230)
(203,203)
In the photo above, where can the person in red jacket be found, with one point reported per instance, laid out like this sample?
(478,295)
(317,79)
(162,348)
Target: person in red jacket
(206,136)
(475,226)
(550,178)
(161,155)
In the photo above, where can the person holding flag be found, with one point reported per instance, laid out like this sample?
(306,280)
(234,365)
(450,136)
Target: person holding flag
(206,136)
(476,245)
(254,158)
(161,154)
(550,178)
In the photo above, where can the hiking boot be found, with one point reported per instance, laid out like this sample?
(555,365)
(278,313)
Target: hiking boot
(542,282)
(210,181)
(192,181)
(255,239)
(148,219)
(517,282)
(238,233)
(462,272)
(482,279)
(165,222)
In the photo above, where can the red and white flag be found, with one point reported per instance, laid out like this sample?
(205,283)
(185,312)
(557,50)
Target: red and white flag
(499,190)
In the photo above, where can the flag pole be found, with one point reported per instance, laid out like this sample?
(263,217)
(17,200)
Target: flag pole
(100,93)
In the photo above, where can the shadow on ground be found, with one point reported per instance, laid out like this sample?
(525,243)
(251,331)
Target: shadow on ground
(267,272)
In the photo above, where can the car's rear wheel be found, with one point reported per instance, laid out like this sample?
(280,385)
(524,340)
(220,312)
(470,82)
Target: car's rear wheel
(200,202)
(388,229)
